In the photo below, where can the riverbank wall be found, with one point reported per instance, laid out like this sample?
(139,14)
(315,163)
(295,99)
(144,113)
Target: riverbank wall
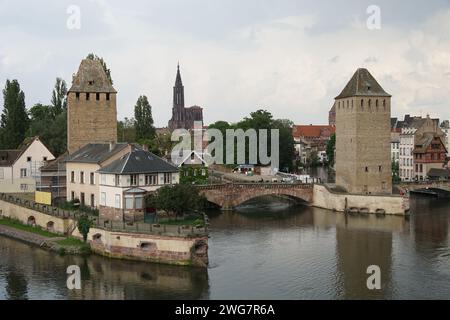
(387,204)
(139,241)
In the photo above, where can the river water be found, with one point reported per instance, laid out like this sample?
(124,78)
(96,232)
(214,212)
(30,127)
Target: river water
(266,250)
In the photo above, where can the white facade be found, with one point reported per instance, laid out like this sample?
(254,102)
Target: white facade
(446,140)
(406,159)
(395,147)
(115,187)
(26,168)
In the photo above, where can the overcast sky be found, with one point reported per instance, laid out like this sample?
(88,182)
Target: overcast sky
(290,57)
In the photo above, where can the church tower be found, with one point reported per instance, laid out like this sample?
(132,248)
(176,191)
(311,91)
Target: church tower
(178,110)
(363,158)
(91,107)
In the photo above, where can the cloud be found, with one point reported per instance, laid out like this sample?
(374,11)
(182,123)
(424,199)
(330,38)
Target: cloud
(234,57)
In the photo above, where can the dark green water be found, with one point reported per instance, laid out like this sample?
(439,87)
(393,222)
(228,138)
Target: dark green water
(270,252)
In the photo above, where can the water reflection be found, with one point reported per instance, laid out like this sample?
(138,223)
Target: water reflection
(266,250)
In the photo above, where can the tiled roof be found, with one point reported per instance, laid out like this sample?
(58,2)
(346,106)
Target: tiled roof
(8,157)
(138,161)
(95,152)
(362,84)
(91,77)
(299,131)
(443,173)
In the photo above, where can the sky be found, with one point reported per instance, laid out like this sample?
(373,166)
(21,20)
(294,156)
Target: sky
(290,57)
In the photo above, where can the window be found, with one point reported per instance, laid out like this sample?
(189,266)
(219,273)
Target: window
(91,178)
(72,176)
(128,203)
(117,180)
(379,168)
(82,177)
(103,199)
(23,173)
(91,82)
(103,179)
(2,174)
(82,198)
(97,96)
(44,158)
(134,179)
(362,103)
(367,169)
(28,159)
(117,201)
(383,185)
(77,95)
(92,200)
(107,97)
(167,178)
(23,186)
(376,103)
(72,195)
(139,202)
(87,96)
(151,179)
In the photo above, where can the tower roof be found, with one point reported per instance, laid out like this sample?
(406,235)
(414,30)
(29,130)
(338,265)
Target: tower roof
(362,84)
(178,82)
(91,77)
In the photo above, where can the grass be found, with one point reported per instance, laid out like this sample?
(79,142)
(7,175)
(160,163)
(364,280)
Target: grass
(72,242)
(20,226)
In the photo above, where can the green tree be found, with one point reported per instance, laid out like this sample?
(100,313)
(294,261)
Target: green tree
(14,119)
(126,130)
(395,172)
(84,224)
(287,150)
(143,119)
(176,199)
(103,63)
(330,149)
(59,97)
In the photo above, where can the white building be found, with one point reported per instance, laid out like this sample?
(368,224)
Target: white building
(395,146)
(406,160)
(125,182)
(19,168)
(445,126)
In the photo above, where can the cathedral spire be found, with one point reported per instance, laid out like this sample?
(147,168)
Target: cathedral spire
(178,82)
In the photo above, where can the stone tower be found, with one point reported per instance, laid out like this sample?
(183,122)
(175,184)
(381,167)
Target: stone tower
(363,158)
(183,118)
(91,107)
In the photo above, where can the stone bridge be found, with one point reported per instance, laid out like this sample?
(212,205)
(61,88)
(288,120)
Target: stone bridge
(230,195)
(439,187)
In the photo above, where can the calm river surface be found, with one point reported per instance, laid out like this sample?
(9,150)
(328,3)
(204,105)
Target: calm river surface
(268,251)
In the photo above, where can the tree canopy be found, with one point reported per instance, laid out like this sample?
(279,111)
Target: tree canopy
(143,119)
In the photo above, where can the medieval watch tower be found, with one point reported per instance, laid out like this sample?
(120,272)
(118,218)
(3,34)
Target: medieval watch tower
(363,159)
(91,107)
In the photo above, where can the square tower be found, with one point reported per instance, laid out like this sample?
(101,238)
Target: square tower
(91,107)
(363,136)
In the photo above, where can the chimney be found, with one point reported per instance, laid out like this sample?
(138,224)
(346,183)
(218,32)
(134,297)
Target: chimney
(111,145)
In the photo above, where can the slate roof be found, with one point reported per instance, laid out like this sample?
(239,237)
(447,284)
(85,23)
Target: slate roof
(95,152)
(362,84)
(138,161)
(91,77)
(58,164)
(8,157)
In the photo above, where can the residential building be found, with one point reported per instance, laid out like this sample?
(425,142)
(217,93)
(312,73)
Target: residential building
(406,160)
(311,139)
(363,135)
(20,168)
(429,149)
(125,182)
(91,107)
(183,118)
(53,178)
(82,170)
(445,127)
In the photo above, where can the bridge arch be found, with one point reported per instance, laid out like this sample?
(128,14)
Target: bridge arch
(229,196)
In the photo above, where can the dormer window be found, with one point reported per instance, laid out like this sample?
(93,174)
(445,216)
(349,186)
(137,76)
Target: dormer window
(87,96)
(77,95)
(91,82)
(107,97)
(368,88)
(97,96)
